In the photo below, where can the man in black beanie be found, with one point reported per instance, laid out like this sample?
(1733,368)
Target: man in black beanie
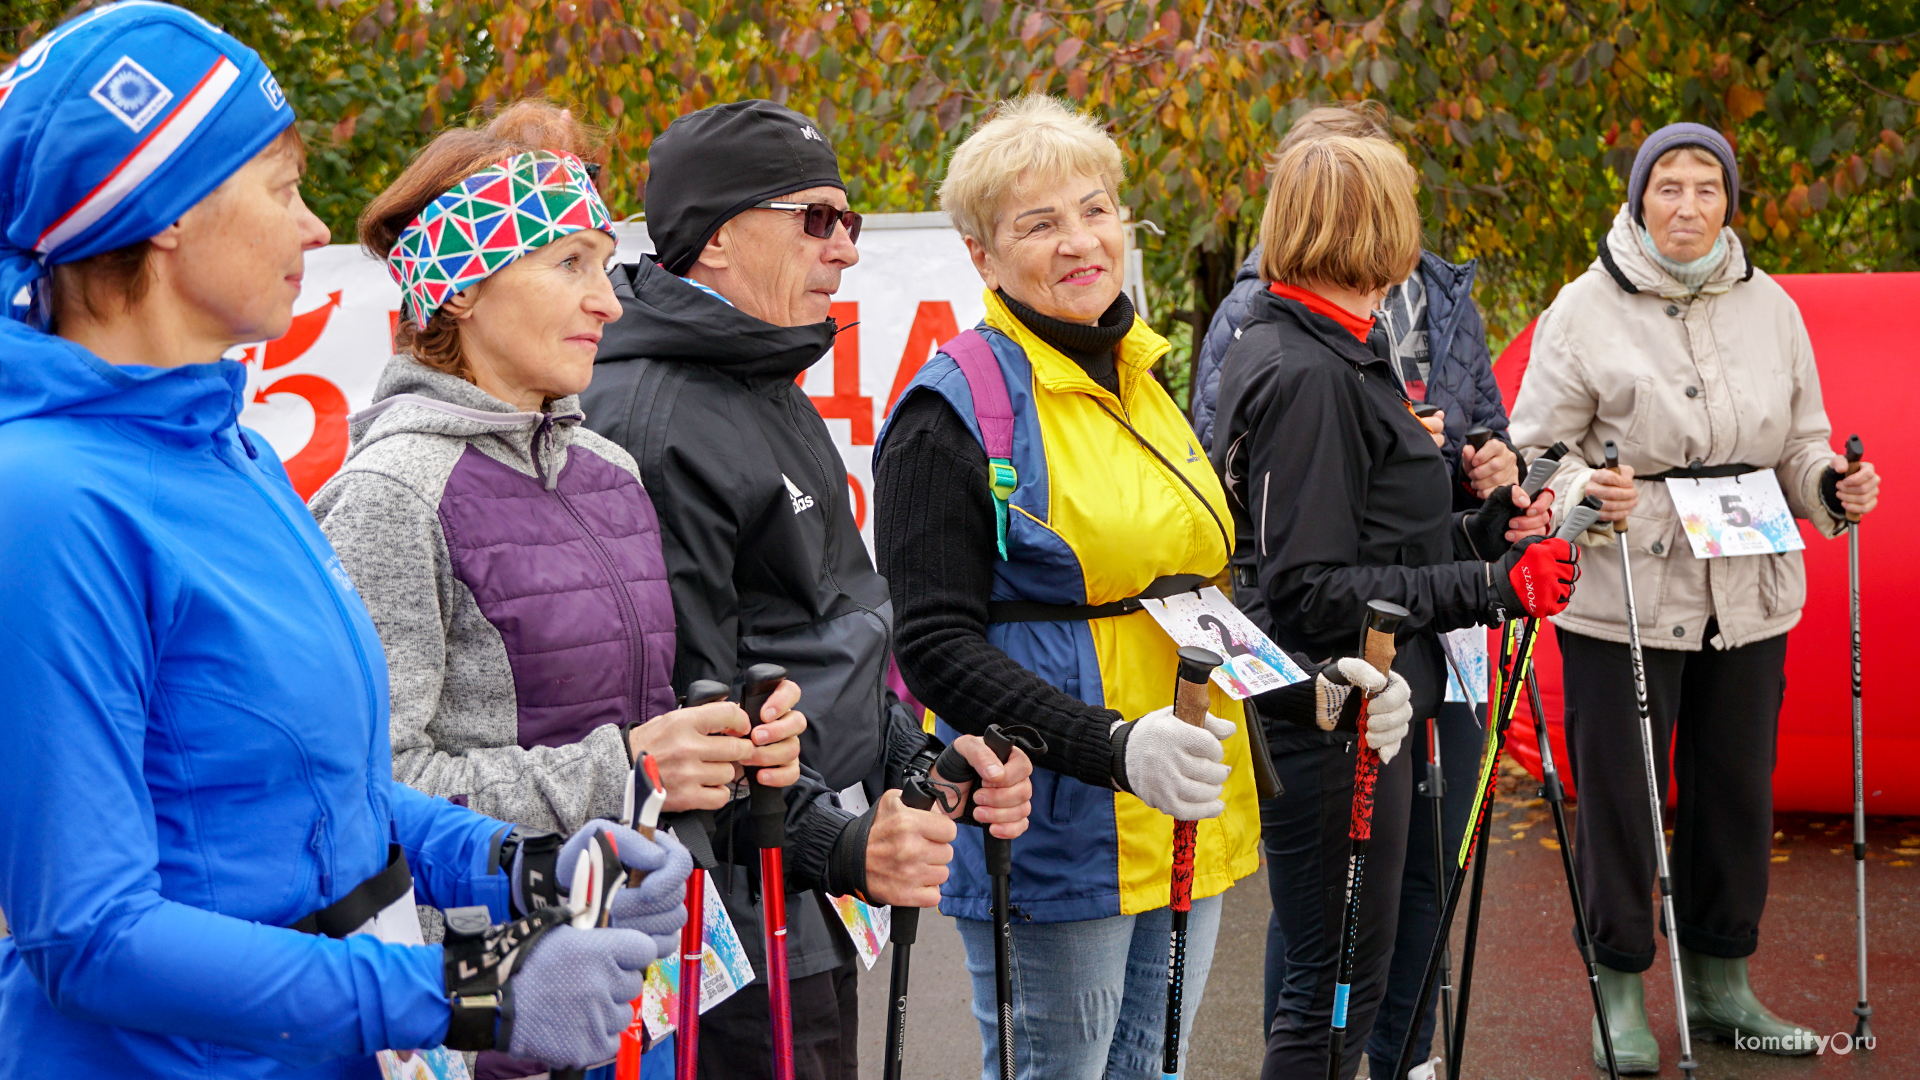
(749,219)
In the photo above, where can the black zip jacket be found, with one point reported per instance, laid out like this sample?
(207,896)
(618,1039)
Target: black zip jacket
(1339,496)
(763,559)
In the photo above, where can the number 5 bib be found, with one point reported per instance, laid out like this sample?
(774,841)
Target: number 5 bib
(1735,515)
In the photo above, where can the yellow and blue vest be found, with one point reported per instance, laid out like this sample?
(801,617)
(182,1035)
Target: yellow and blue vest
(1096,517)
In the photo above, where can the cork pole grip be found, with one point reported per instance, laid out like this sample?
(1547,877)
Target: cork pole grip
(1379,650)
(1190,702)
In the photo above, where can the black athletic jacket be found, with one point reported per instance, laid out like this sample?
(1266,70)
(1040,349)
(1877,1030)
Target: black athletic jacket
(1339,496)
(763,558)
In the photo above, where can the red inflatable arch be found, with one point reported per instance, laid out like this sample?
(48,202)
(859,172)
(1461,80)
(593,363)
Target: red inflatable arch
(1862,351)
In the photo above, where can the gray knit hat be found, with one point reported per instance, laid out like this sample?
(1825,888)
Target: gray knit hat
(1673,137)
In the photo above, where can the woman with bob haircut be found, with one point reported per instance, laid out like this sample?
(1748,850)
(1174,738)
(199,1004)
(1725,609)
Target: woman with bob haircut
(208,866)
(1340,496)
(1019,610)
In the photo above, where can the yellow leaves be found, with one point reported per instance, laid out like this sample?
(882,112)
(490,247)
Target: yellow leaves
(1474,108)
(1913,86)
(1743,101)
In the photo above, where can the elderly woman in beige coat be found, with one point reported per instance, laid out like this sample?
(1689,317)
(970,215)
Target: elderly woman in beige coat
(1697,365)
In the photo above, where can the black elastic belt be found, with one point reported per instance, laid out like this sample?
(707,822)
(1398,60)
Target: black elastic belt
(1006,611)
(369,898)
(1702,472)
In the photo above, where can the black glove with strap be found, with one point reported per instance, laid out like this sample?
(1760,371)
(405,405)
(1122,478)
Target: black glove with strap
(1535,578)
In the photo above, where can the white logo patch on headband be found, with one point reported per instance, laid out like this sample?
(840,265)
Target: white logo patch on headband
(270,86)
(131,93)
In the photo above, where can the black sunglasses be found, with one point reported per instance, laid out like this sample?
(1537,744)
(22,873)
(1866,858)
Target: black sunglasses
(819,218)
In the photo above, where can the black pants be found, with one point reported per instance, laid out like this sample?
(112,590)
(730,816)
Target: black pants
(1719,710)
(736,1035)
(1305,834)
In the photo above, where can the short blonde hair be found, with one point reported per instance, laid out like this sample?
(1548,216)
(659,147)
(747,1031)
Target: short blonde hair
(1031,136)
(1342,211)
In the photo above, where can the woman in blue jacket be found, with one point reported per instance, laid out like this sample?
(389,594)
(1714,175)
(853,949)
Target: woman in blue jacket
(203,854)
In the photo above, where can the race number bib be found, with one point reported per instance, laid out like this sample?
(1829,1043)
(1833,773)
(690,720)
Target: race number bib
(1735,515)
(1251,662)
(1469,671)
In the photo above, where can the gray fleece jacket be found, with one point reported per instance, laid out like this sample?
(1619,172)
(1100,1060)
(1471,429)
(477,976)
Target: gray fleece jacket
(511,562)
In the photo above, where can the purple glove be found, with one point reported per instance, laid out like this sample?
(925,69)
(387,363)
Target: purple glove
(572,995)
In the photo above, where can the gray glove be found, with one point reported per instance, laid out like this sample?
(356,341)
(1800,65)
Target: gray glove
(572,995)
(657,906)
(1175,767)
(1389,704)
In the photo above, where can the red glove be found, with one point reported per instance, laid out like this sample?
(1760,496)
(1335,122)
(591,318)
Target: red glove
(1536,576)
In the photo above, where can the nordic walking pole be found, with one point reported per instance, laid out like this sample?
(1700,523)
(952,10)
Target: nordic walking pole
(951,772)
(1435,788)
(1647,752)
(1190,706)
(686,1041)
(914,795)
(1552,790)
(1376,645)
(1499,721)
(1579,520)
(768,806)
(1861,1029)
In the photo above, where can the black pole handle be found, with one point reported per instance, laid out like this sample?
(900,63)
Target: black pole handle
(1478,436)
(706,692)
(768,805)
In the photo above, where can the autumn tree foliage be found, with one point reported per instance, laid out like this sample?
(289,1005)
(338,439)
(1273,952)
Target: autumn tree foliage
(1520,116)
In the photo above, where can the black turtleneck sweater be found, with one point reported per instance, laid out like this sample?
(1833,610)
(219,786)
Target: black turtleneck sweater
(934,535)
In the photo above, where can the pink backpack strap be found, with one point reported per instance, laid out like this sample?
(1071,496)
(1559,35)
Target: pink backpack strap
(991,406)
(993,412)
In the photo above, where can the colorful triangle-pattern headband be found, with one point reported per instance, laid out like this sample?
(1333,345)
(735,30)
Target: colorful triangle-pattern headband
(504,211)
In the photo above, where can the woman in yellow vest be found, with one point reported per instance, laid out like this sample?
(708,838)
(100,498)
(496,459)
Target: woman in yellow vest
(1007,571)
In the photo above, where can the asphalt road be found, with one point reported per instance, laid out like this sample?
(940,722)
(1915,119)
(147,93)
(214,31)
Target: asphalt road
(1530,1007)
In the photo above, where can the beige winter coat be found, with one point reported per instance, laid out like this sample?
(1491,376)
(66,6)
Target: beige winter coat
(1676,380)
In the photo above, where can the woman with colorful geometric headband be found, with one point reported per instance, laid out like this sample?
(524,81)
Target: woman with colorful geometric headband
(207,864)
(509,557)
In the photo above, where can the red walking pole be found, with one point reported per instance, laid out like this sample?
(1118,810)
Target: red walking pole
(1190,706)
(686,1039)
(768,805)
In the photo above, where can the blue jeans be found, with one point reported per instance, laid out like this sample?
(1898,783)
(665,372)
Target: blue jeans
(1090,998)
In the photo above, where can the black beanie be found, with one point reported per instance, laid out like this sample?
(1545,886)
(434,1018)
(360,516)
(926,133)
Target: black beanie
(710,165)
(1673,137)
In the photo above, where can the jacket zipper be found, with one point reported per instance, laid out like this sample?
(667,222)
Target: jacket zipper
(629,618)
(323,836)
(826,567)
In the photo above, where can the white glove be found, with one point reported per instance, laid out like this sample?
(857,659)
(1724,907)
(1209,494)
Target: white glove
(1389,703)
(1175,767)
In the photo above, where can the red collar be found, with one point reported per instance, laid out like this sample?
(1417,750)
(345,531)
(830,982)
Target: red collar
(1357,326)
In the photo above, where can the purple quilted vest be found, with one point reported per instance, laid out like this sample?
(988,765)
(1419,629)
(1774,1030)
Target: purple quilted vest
(574,580)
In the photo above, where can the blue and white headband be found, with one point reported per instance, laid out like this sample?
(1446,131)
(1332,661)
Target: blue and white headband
(114,125)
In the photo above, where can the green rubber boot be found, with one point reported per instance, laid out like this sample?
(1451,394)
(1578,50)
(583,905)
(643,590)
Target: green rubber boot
(1635,1050)
(1721,1006)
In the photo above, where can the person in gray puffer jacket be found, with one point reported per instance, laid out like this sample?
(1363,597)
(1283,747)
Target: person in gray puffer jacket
(512,564)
